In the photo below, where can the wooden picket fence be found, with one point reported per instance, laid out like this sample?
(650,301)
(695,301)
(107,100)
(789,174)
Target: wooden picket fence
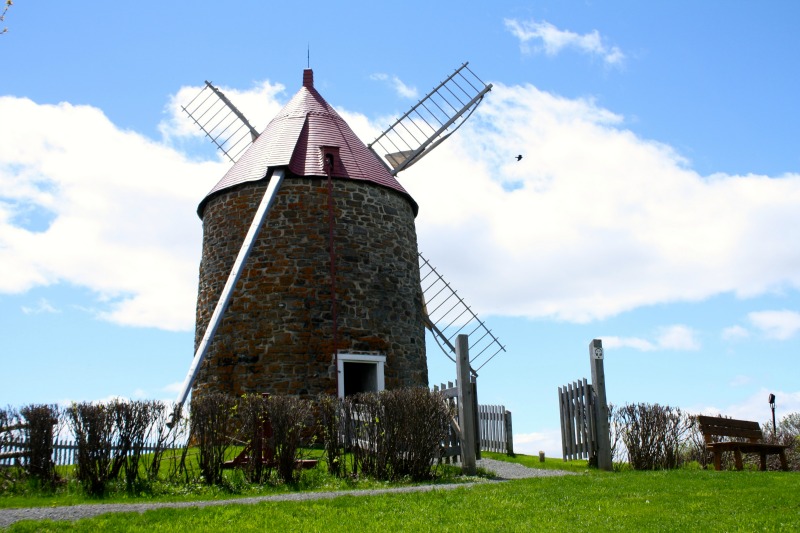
(451,446)
(64,452)
(495,433)
(578,427)
(494,426)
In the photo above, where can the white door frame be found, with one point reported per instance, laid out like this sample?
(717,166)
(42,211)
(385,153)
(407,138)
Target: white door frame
(378,360)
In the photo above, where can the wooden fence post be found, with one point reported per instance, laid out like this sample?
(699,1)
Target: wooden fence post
(601,407)
(466,407)
(473,383)
(509,434)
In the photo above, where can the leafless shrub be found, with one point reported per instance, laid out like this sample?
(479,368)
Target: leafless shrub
(398,433)
(211,421)
(332,428)
(39,424)
(652,435)
(164,435)
(9,438)
(416,424)
(364,416)
(253,415)
(693,447)
(133,422)
(93,428)
(289,416)
(9,425)
(787,433)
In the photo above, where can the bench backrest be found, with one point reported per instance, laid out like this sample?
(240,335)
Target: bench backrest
(728,427)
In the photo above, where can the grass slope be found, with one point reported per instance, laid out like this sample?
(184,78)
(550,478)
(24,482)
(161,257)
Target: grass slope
(679,500)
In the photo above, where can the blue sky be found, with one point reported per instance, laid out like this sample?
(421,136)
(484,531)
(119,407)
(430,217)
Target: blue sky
(655,206)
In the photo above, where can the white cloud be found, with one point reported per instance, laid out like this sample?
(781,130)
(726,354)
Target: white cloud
(258,105)
(780,325)
(173,388)
(598,221)
(547,441)
(397,84)
(676,337)
(122,206)
(553,40)
(735,333)
(628,342)
(756,407)
(42,306)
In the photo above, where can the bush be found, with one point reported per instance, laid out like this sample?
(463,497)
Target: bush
(132,423)
(416,424)
(168,431)
(652,434)
(289,417)
(39,424)
(395,434)
(252,417)
(331,426)
(787,433)
(211,421)
(93,428)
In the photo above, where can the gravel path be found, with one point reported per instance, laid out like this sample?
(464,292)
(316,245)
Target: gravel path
(502,469)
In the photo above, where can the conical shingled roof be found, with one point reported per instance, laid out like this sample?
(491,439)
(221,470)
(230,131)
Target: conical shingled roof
(296,138)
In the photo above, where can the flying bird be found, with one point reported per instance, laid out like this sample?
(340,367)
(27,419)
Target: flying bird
(519,157)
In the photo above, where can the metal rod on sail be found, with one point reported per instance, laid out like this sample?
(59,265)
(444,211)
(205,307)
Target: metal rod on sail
(253,132)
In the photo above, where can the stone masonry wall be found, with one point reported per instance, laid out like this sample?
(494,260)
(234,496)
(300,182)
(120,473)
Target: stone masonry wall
(277,333)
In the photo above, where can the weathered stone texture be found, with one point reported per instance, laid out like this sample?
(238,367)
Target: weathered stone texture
(277,333)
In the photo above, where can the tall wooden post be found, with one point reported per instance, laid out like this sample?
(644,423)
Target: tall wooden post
(601,407)
(466,407)
(509,435)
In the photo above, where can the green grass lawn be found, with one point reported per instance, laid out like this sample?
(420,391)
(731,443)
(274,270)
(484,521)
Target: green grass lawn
(679,500)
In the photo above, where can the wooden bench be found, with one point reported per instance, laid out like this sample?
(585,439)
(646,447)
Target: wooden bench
(712,426)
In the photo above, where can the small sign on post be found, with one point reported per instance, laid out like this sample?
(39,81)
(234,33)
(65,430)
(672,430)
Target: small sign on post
(601,406)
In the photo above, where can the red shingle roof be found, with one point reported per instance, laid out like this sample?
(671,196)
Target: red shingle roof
(295,139)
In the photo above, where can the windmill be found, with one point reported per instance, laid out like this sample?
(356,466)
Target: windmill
(267,311)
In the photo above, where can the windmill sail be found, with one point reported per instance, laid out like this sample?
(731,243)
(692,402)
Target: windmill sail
(432,120)
(221,121)
(448,315)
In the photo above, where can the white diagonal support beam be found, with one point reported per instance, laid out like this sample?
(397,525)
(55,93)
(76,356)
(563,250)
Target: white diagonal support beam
(252,234)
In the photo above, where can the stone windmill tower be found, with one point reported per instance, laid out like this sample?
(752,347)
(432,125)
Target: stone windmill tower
(310,274)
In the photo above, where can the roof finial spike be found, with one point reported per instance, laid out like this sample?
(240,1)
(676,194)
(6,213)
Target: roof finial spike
(308,56)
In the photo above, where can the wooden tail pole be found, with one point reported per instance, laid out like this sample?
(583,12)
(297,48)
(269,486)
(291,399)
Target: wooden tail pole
(466,407)
(601,406)
(249,240)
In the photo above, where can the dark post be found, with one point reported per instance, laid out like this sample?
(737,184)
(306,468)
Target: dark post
(772,406)
(509,435)
(601,407)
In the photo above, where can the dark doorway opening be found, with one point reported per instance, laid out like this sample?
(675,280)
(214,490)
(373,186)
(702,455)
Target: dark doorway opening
(360,377)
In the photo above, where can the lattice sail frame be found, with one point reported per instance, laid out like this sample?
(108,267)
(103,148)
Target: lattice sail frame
(448,315)
(432,120)
(221,121)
